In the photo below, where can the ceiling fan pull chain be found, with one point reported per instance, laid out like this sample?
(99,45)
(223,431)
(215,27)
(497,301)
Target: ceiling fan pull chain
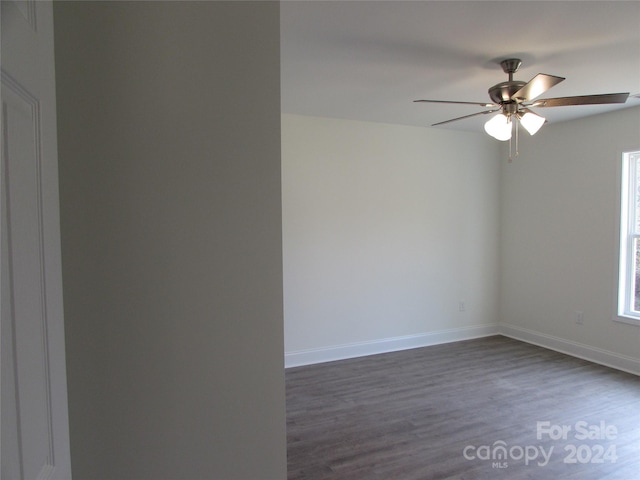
(515,126)
(510,151)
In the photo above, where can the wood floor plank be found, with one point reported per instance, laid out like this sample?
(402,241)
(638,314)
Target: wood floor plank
(411,415)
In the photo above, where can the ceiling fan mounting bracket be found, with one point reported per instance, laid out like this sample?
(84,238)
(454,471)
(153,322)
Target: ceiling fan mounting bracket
(510,65)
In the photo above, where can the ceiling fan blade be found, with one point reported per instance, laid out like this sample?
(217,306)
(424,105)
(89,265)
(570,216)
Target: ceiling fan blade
(536,86)
(466,116)
(478,104)
(581,100)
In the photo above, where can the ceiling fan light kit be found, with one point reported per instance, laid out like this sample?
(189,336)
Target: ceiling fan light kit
(510,99)
(499,127)
(531,122)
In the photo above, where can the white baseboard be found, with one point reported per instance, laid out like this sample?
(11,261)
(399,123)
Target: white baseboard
(385,345)
(575,349)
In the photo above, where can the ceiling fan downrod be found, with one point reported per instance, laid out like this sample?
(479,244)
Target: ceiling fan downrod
(503,92)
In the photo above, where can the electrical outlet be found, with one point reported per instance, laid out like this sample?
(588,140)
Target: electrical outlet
(462,306)
(579,317)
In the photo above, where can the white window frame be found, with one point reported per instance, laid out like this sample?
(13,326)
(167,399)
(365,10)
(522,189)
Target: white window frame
(629,234)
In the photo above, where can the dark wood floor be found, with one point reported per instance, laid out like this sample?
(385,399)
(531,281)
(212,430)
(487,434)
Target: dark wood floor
(414,414)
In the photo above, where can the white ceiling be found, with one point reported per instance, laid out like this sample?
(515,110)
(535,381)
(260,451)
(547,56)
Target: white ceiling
(368,60)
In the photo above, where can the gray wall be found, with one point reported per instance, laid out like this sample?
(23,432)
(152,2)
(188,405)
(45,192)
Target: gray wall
(386,228)
(560,229)
(169,138)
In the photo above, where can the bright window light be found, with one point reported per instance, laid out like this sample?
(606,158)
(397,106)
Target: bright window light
(629,272)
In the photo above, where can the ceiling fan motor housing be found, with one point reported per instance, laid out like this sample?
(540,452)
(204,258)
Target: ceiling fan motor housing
(502,92)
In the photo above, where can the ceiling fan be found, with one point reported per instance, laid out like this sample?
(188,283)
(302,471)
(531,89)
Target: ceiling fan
(514,100)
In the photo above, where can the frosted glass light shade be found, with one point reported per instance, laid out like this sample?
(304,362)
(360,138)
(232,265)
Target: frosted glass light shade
(532,122)
(499,127)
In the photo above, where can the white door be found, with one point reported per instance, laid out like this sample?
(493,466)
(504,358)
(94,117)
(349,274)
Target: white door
(35,430)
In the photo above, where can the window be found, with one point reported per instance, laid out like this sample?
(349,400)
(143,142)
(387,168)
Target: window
(629,281)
